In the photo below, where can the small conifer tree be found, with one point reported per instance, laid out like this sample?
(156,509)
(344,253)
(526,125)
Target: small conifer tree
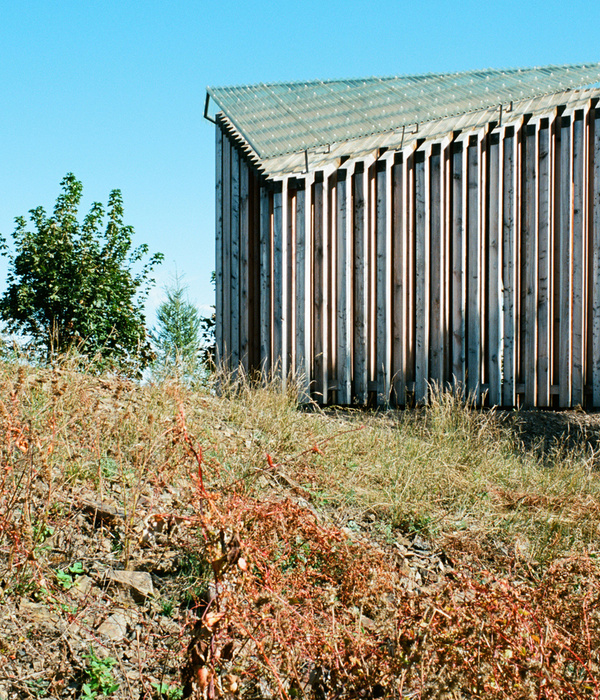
(177,338)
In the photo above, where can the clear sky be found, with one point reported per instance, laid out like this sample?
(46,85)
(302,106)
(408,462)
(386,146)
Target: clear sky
(114,90)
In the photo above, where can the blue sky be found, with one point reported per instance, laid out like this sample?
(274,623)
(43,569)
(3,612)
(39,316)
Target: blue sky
(114,91)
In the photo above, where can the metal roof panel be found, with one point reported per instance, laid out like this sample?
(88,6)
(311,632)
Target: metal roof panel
(286,118)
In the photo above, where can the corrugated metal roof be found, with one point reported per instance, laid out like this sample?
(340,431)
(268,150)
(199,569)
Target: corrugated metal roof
(285,118)
(369,146)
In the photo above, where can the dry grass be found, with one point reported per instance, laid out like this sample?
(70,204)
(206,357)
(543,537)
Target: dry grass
(269,494)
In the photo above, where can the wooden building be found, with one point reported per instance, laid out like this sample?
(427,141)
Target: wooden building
(378,236)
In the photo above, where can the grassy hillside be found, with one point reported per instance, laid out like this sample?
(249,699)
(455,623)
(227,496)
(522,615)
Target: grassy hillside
(158,542)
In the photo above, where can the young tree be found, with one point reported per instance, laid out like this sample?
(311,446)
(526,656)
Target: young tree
(179,334)
(74,285)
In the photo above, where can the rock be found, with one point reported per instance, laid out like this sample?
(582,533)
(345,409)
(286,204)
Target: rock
(139,583)
(38,613)
(114,627)
(82,586)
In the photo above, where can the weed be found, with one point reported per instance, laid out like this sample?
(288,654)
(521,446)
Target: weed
(65,578)
(99,676)
(164,691)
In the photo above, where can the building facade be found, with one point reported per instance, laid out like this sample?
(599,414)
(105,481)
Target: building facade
(378,237)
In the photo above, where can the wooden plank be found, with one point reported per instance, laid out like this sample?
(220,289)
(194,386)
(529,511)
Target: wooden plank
(398,284)
(544,282)
(255,357)
(226,351)
(421,279)
(344,288)
(360,298)
(410,317)
(290,203)
(244,265)
(388,277)
(458,266)
(219,244)
(494,289)
(235,259)
(447,184)
(473,272)
(331,305)
(265,279)
(436,270)
(596,258)
(372,279)
(529,263)
(579,264)
(509,258)
(278,283)
(382,366)
(318,286)
(565,282)
(302,291)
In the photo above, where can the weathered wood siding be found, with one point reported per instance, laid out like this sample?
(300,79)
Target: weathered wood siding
(470,262)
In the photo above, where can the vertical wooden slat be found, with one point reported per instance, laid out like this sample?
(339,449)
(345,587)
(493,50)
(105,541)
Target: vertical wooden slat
(382,287)
(278,282)
(360,233)
(421,279)
(235,259)
(398,284)
(565,282)
(265,278)
(509,258)
(447,187)
(226,348)
(254,281)
(344,287)
(458,266)
(544,268)
(219,281)
(596,258)
(302,335)
(244,265)
(290,202)
(473,272)
(494,282)
(318,287)
(436,270)
(579,266)
(529,263)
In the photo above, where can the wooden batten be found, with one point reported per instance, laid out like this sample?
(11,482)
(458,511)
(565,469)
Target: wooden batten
(360,287)
(437,265)
(318,293)
(219,279)
(473,281)
(579,262)
(459,258)
(544,271)
(234,268)
(529,258)
(382,262)
(244,266)
(595,242)
(565,257)
(343,276)
(421,234)
(494,285)
(278,283)
(399,282)
(509,257)
(227,233)
(265,277)
(303,241)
